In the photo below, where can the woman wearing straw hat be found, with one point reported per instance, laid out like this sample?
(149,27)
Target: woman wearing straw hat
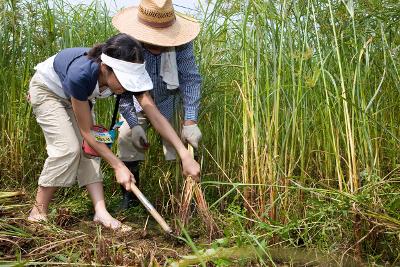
(60,92)
(169,58)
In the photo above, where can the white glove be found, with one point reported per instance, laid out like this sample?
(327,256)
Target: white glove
(139,138)
(191,134)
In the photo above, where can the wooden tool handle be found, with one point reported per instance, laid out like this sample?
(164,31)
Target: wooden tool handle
(150,208)
(191,150)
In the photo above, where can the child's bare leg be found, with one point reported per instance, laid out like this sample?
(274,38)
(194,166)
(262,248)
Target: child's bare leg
(101,214)
(43,198)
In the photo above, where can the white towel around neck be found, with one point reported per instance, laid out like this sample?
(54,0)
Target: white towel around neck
(169,68)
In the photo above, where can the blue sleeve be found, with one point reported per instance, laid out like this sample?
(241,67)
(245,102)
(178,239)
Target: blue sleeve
(127,109)
(189,81)
(80,81)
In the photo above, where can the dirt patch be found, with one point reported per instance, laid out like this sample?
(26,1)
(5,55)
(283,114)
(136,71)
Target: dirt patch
(74,240)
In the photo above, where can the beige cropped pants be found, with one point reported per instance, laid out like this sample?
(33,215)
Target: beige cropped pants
(65,162)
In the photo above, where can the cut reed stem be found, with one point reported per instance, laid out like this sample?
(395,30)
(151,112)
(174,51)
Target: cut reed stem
(192,187)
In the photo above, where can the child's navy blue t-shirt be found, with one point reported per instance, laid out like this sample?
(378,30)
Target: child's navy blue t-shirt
(78,73)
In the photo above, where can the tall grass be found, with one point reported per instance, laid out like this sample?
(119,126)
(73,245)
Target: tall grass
(313,89)
(299,114)
(29,33)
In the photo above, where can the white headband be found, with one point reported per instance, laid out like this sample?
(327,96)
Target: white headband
(132,76)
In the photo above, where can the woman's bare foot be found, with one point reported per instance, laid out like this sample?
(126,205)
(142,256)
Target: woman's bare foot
(108,221)
(36,216)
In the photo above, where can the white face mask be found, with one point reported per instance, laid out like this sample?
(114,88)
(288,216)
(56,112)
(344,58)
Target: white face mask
(106,92)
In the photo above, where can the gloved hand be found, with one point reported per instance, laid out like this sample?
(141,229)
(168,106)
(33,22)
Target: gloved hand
(139,138)
(191,134)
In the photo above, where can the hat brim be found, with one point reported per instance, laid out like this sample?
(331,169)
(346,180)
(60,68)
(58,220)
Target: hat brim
(134,83)
(181,32)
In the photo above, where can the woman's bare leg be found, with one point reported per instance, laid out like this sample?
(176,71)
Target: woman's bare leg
(40,208)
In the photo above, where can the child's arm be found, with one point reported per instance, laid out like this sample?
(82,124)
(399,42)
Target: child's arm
(162,126)
(85,122)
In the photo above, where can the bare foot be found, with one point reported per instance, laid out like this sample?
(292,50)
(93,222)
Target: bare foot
(108,221)
(36,216)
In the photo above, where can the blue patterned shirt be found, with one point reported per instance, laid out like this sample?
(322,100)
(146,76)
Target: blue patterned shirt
(189,87)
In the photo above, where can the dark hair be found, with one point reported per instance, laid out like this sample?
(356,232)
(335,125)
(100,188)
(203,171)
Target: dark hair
(120,46)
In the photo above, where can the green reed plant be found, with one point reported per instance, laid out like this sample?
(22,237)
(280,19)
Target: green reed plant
(299,114)
(317,85)
(29,33)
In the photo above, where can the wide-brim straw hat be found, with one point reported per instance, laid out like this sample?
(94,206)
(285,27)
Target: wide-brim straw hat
(155,22)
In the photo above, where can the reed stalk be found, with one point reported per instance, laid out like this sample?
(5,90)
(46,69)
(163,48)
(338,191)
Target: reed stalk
(299,115)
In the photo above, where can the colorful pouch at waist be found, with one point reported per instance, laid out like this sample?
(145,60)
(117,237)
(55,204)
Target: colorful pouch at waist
(102,135)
